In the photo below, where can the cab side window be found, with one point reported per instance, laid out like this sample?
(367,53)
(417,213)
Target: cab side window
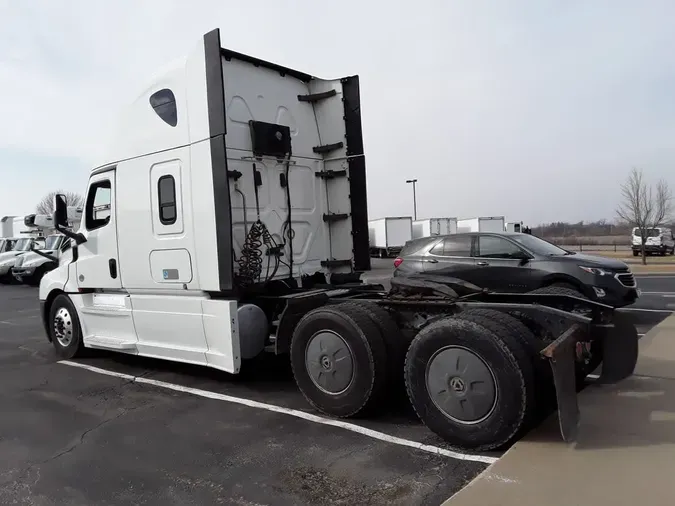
(97,210)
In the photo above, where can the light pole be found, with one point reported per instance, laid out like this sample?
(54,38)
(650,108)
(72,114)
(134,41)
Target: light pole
(414,182)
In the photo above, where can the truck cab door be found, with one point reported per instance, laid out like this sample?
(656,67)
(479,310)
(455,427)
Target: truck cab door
(97,262)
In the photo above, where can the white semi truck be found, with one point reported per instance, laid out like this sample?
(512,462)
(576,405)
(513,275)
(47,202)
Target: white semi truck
(434,226)
(481,224)
(230,219)
(387,236)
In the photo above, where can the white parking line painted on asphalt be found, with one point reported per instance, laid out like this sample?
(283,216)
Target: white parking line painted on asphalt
(292,412)
(658,293)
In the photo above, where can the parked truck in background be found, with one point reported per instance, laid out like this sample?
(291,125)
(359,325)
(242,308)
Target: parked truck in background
(658,241)
(387,236)
(514,226)
(11,226)
(20,246)
(481,224)
(434,226)
(31,266)
(230,220)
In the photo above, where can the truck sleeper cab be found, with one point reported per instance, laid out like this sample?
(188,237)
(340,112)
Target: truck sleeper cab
(231,218)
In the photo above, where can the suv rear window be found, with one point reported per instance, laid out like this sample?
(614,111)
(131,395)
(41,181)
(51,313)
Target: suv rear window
(412,247)
(454,246)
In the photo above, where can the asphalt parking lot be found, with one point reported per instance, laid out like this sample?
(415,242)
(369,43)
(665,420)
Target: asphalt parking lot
(148,435)
(73,436)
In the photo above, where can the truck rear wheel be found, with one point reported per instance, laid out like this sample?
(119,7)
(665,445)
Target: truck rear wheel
(64,328)
(395,341)
(339,360)
(587,365)
(468,385)
(520,341)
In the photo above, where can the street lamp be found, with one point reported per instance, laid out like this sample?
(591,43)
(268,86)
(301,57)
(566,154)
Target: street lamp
(414,181)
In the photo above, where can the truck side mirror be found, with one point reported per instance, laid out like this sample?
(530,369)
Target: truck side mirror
(61,219)
(60,210)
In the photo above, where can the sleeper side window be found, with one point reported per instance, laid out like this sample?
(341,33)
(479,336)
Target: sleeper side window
(97,210)
(166,191)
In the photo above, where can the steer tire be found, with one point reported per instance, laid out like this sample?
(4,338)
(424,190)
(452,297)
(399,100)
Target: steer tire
(349,325)
(63,318)
(472,355)
(395,341)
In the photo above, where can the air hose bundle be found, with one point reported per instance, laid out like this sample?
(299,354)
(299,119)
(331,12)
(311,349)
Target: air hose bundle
(251,257)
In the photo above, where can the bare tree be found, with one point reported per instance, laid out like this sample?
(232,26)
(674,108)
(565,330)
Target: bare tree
(643,206)
(46,204)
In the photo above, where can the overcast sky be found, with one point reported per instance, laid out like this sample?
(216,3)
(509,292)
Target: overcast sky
(533,110)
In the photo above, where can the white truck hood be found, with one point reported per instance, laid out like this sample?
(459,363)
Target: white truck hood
(7,255)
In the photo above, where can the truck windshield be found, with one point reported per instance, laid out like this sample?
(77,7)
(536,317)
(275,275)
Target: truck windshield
(22,245)
(53,242)
(539,246)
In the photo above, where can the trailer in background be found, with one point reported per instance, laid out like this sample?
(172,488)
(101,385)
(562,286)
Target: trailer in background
(11,226)
(481,224)
(434,226)
(513,226)
(388,235)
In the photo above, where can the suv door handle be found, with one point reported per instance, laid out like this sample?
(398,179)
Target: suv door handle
(431,260)
(482,263)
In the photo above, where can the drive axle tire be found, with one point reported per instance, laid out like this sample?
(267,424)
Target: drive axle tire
(395,341)
(468,385)
(585,368)
(64,328)
(521,343)
(339,360)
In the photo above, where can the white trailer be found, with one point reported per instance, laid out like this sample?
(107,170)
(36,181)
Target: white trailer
(481,224)
(388,235)
(434,226)
(513,226)
(230,219)
(11,226)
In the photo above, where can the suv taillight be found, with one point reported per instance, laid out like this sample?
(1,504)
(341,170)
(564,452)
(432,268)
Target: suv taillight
(397,262)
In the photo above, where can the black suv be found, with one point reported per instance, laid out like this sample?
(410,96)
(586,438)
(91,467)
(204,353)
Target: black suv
(510,262)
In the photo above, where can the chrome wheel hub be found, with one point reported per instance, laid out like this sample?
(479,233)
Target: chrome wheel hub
(63,327)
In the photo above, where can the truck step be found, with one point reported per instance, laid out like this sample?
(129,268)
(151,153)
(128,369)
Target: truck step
(327,148)
(109,343)
(315,97)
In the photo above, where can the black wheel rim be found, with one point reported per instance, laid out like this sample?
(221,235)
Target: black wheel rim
(461,385)
(330,362)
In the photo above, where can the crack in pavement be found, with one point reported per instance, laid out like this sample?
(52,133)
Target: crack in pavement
(23,474)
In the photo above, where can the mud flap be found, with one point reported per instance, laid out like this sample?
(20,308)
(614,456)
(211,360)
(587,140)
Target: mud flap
(619,349)
(561,356)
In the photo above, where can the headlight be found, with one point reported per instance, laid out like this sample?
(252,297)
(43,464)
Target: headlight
(597,271)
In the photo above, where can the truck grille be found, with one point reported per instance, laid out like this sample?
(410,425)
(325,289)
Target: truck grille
(626,278)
